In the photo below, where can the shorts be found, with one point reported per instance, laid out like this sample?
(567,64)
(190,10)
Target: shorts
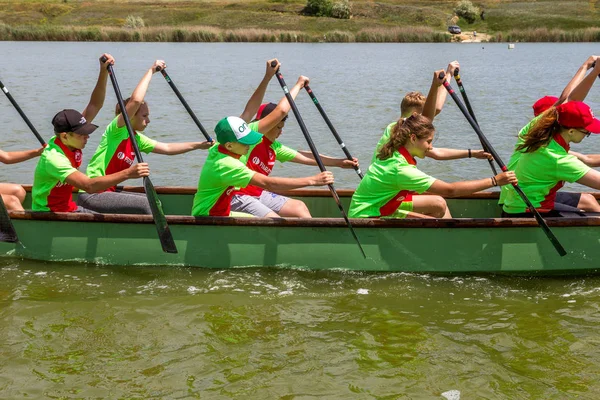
(258,206)
(402,211)
(567,198)
(564,202)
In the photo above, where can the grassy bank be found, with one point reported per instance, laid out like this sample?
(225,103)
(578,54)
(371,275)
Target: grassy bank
(284,21)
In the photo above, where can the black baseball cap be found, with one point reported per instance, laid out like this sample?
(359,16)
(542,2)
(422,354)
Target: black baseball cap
(72,121)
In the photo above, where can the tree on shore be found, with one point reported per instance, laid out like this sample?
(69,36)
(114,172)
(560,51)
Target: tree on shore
(467,11)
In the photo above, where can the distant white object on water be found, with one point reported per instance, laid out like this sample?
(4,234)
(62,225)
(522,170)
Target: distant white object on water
(452,394)
(362,291)
(511,46)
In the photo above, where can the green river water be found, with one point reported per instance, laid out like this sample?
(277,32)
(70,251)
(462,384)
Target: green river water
(83,332)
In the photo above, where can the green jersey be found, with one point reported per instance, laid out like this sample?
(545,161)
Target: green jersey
(222,173)
(384,139)
(261,158)
(542,173)
(388,187)
(514,158)
(115,151)
(50,192)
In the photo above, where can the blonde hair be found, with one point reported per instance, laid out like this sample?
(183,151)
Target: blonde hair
(414,101)
(118,109)
(416,124)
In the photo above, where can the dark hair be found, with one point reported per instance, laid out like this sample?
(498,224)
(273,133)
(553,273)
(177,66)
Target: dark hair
(542,132)
(416,124)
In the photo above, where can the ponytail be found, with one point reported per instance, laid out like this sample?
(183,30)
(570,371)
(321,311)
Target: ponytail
(416,124)
(542,132)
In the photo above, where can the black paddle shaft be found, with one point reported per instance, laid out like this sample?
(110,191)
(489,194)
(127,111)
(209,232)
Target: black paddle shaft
(463,92)
(8,233)
(315,153)
(27,121)
(559,248)
(185,104)
(160,221)
(332,128)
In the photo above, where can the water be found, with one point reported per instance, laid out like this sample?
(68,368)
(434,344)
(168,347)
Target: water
(85,331)
(102,332)
(359,85)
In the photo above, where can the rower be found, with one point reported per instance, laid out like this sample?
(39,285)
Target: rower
(577,89)
(391,182)
(270,121)
(115,152)
(544,164)
(416,102)
(223,171)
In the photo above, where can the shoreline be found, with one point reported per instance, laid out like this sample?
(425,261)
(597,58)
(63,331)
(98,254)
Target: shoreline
(207,34)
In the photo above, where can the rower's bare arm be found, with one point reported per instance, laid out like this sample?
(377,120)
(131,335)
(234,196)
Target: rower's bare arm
(429,109)
(283,107)
(257,97)
(13,157)
(99,92)
(582,89)
(441,94)
(171,149)
(467,187)
(272,184)
(454,154)
(591,179)
(306,158)
(591,160)
(139,93)
(100,183)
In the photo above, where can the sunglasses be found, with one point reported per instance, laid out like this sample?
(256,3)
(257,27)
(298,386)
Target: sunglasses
(586,133)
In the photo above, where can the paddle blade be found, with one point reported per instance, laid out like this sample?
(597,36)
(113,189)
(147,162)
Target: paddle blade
(164,233)
(7,230)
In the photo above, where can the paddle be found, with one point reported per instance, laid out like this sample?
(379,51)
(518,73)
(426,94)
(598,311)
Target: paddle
(164,233)
(27,121)
(185,104)
(487,145)
(7,230)
(331,128)
(463,92)
(315,153)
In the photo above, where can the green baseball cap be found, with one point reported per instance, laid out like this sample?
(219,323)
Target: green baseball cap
(235,129)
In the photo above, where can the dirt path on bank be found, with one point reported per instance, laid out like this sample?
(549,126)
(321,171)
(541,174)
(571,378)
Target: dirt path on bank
(469,37)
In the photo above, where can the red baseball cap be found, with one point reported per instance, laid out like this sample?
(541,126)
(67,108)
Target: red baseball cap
(576,114)
(543,104)
(264,110)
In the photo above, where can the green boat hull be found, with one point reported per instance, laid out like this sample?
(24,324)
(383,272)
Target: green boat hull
(475,241)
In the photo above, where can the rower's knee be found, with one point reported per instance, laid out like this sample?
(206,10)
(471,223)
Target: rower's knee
(295,208)
(11,189)
(20,193)
(12,202)
(439,207)
(588,202)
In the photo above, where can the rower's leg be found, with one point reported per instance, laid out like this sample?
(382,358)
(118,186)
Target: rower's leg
(12,202)
(587,202)
(12,189)
(431,205)
(294,208)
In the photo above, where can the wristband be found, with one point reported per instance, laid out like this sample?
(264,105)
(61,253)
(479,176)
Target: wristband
(469,150)
(494,181)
